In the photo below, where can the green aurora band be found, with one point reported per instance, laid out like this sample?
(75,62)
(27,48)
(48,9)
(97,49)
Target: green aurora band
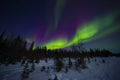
(91,31)
(95,29)
(56,44)
(88,32)
(57,14)
(58,10)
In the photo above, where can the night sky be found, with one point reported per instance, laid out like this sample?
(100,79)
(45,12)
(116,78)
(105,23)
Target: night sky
(63,23)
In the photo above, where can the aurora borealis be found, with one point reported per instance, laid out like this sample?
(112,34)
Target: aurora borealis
(89,31)
(63,23)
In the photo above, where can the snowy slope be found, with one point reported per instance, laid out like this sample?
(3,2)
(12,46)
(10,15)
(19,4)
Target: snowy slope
(110,70)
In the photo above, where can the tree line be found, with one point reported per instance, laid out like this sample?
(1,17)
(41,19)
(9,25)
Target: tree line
(12,50)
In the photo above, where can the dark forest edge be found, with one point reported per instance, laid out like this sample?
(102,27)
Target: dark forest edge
(13,50)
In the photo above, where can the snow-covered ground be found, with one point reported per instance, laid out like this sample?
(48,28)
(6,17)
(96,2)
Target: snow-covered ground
(96,70)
